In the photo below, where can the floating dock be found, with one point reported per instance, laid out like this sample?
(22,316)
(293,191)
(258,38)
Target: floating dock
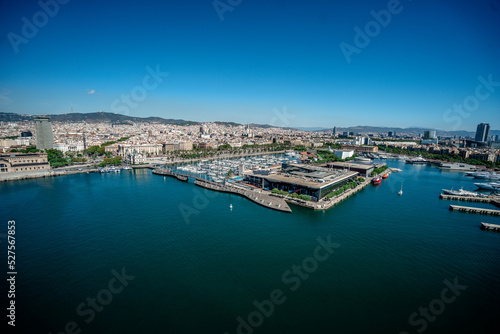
(474,210)
(490,227)
(466,198)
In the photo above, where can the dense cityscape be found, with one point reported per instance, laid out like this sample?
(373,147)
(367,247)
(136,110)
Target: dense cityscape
(140,143)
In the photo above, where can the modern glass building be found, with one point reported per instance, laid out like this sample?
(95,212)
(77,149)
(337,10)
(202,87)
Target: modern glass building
(43,132)
(482,132)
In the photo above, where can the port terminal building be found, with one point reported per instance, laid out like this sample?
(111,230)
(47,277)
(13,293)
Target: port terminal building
(314,181)
(363,169)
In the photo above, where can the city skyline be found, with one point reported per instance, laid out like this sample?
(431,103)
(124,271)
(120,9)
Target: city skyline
(302,66)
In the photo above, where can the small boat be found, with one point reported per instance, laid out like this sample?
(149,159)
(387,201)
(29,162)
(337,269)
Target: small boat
(230,206)
(401,191)
(377,180)
(385,176)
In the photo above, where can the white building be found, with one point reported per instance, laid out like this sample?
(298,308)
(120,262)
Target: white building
(72,147)
(135,159)
(344,154)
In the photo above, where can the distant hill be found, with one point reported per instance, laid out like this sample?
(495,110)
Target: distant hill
(94,117)
(97,117)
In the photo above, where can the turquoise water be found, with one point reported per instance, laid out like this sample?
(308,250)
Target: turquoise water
(199,274)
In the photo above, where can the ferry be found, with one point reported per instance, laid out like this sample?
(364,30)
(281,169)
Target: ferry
(377,180)
(418,160)
(456,166)
(488,186)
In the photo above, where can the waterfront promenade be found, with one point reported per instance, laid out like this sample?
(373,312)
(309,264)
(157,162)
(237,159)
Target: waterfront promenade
(257,196)
(46,173)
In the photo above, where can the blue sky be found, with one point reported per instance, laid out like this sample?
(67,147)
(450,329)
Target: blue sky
(277,62)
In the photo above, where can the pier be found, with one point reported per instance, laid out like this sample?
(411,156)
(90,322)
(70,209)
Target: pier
(466,198)
(257,196)
(490,227)
(474,210)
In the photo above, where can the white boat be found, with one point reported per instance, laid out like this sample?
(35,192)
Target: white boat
(127,168)
(486,175)
(417,160)
(401,191)
(461,192)
(457,166)
(362,160)
(488,186)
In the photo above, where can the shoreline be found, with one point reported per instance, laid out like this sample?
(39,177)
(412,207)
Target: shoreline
(37,175)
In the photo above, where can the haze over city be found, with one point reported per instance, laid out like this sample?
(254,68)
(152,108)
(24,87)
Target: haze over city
(257,60)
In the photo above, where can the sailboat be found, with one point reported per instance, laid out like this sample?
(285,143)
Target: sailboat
(401,191)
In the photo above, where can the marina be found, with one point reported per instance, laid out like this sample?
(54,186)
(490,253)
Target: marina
(303,185)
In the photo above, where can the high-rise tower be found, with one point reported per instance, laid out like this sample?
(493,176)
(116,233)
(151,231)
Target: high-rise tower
(43,132)
(482,132)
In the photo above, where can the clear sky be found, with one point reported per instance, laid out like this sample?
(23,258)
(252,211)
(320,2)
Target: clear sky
(277,61)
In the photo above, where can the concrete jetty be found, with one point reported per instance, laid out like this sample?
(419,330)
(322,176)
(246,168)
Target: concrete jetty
(466,198)
(262,198)
(257,196)
(490,227)
(474,210)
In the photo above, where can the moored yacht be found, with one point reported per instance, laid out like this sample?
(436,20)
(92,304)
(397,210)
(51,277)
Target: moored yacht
(488,186)
(456,166)
(417,160)
(461,192)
